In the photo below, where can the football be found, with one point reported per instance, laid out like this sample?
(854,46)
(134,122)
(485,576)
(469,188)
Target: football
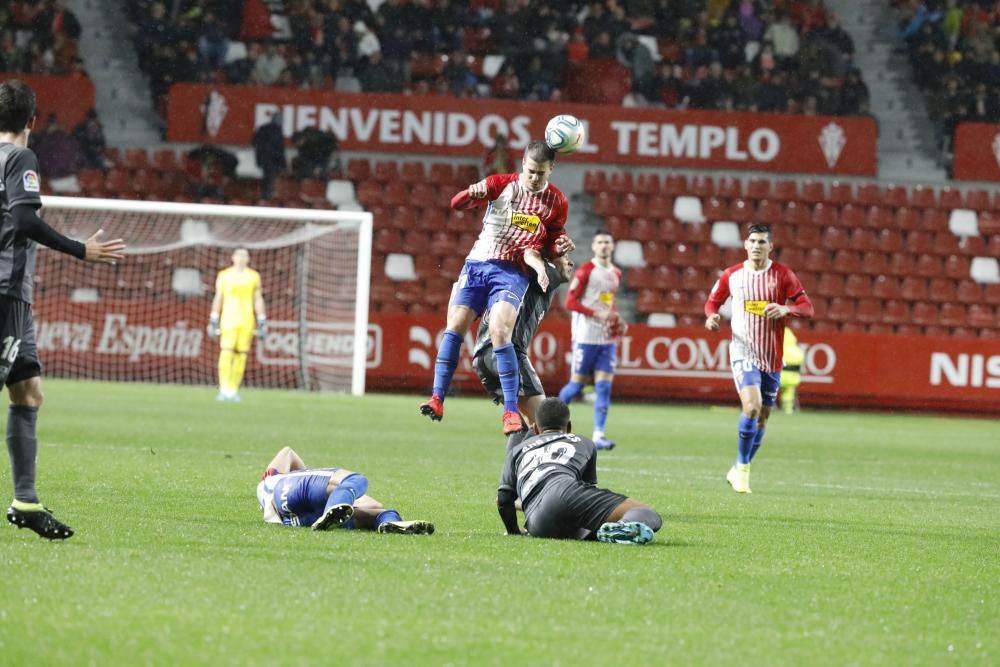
(565,134)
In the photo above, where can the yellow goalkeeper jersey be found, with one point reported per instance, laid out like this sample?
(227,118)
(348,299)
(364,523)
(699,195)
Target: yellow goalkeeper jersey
(237,289)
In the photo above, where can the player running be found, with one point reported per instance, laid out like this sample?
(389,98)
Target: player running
(523,212)
(20,230)
(237,316)
(554,474)
(596,326)
(324,498)
(764,293)
(536,303)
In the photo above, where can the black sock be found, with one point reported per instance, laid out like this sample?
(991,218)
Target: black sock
(644,515)
(23,449)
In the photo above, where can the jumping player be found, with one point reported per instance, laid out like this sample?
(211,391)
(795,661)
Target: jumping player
(20,230)
(554,474)
(324,498)
(764,293)
(596,326)
(523,211)
(237,316)
(536,303)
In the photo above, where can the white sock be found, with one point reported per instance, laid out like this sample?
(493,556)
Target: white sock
(598,435)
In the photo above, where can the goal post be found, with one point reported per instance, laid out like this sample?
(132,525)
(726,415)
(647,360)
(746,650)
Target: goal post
(143,319)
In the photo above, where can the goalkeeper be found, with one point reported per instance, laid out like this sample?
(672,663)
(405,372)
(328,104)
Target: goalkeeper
(237,315)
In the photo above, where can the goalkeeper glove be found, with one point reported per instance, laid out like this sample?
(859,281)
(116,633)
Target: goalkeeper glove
(261,327)
(213,325)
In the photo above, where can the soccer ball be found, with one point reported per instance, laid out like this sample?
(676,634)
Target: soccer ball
(565,134)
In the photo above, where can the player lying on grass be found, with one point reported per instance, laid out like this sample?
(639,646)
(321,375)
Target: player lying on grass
(324,498)
(536,303)
(554,475)
(523,211)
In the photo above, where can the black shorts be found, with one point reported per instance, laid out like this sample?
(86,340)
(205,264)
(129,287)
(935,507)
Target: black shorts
(18,350)
(485,365)
(569,508)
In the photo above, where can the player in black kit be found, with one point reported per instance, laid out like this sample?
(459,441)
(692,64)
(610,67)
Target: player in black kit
(533,308)
(20,230)
(554,474)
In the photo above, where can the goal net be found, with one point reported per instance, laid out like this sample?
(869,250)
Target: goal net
(144,319)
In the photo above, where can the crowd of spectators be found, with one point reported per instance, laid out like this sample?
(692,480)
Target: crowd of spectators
(954,46)
(39,37)
(767,55)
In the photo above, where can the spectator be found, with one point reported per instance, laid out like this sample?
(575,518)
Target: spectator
(213,43)
(458,75)
(89,135)
(505,84)
(367,44)
(380,76)
(536,83)
(317,156)
(728,41)
(58,153)
(834,34)
(634,55)
(577,50)
(269,66)
(498,159)
(269,153)
(853,94)
(784,37)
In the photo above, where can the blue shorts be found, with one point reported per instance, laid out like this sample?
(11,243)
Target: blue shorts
(482,284)
(745,374)
(590,357)
(300,497)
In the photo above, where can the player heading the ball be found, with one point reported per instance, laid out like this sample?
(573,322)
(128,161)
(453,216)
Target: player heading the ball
(524,211)
(764,294)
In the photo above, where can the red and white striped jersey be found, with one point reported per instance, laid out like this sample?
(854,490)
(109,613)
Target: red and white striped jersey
(592,285)
(756,338)
(517,219)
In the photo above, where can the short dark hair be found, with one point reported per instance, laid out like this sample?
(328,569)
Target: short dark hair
(760,228)
(17,106)
(603,232)
(551,414)
(539,151)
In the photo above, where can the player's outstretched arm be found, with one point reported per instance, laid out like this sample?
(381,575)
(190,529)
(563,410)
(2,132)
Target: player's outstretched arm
(533,259)
(103,252)
(286,460)
(27,223)
(506,500)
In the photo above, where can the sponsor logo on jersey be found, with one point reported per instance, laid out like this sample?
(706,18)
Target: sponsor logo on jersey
(607,297)
(755,307)
(31,181)
(526,221)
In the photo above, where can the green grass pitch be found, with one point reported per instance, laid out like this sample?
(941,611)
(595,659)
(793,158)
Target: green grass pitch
(869,539)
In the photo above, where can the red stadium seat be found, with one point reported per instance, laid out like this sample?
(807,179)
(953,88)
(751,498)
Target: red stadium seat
(729,187)
(700,232)
(618,226)
(386,171)
(117,182)
(918,242)
(909,329)
(676,185)
(830,285)
(136,158)
(785,190)
(928,266)
(671,230)
(648,184)
(741,210)
(983,316)
(949,198)
(978,200)
(709,256)
(902,263)
(869,194)
(466,175)
(934,220)
(972,246)
(852,215)
(848,262)
(819,259)
(885,287)
(639,277)
(702,186)
(396,193)
(834,238)
(889,241)
(644,229)
(759,188)
(879,217)
(91,182)
(666,277)
(789,255)
(863,239)
(841,193)
(875,262)
(991,294)
(924,313)
(656,254)
(906,219)
(913,288)
(442,174)
(956,267)
(895,196)
(387,240)
(923,197)
(857,286)
(842,309)
(423,196)
(954,315)
(660,206)
(166,160)
(945,243)
(968,291)
(825,215)
(632,205)
(733,256)
(620,182)
(412,172)
(813,192)
(796,214)
(942,290)
(869,311)
(715,209)
(605,204)
(650,301)
(358,170)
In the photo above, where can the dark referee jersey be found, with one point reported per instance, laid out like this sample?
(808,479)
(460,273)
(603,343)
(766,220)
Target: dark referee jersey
(20,230)
(533,308)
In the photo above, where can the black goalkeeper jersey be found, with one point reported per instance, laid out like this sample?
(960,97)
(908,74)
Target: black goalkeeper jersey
(533,462)
(20,184)
(533,308)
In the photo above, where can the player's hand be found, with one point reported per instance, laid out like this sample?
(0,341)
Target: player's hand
(478,190)
(213,326)
(543,280)
(564,245)
(775,311)
(712,323)
(103,252)
(261,329)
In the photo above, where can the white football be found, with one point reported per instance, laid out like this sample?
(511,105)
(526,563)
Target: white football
(565,133)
